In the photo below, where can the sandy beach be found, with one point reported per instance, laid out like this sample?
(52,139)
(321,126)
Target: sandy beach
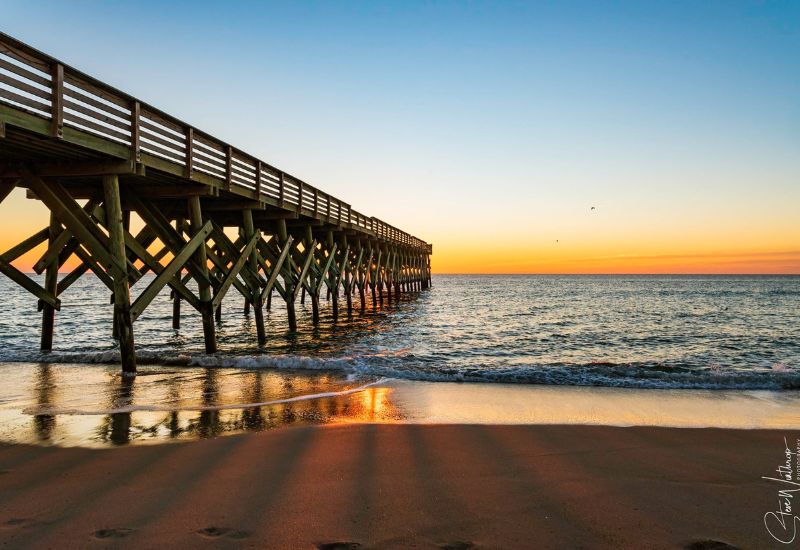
(400,486)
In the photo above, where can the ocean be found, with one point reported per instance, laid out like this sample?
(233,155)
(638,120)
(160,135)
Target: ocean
(622,333)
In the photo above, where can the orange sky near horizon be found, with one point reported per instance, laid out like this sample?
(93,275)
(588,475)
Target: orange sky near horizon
(580,251)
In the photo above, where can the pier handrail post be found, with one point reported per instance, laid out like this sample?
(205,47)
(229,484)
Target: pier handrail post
(57,101)
(136,134)
(282,191)
(189,152)
(299,196)
(228,167)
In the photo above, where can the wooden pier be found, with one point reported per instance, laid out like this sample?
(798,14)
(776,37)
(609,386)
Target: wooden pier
(94,156)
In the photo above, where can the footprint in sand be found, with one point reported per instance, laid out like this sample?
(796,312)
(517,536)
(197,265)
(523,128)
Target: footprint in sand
(18,522)
(217,532)
(709,544)
(458,545)
(339,545)
(116,533)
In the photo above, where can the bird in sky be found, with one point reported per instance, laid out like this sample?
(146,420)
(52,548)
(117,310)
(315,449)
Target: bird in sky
(592,207)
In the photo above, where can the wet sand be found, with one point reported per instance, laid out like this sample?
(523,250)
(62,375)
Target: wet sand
(400,486)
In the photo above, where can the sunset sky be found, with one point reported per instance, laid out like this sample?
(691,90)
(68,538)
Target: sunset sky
(487,128)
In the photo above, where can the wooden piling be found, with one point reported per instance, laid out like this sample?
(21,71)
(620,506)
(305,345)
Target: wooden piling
(51,286)
(333,293)
(206,308)
(122,297)
(291,315)
(176,298)
(249,231)
(311,244)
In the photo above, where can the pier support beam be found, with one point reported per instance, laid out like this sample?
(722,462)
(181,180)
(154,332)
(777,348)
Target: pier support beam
(333,293)
(249,231)
(119,272)
(310,244)
(206,306)
(51,286)
(291,315)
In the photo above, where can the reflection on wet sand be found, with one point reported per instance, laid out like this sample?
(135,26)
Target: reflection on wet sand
(187,403)
(44,423)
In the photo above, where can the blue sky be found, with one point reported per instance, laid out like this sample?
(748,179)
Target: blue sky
(680,121)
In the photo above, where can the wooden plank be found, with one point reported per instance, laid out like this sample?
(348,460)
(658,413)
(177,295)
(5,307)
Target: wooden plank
(88,125)
(25,87)
(89,140)
(172,268)
(24,73)
(98,89)
(23,100)
(82,97)
(117,123)
(25,282)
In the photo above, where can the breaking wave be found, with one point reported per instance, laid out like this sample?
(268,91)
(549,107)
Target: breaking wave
(406,366)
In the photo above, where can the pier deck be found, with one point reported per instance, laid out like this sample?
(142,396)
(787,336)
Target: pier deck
(94,156)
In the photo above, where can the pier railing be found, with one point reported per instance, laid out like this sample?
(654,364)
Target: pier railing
(42,86)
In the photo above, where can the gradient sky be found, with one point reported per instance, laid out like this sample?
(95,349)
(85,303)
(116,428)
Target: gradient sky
(486,128)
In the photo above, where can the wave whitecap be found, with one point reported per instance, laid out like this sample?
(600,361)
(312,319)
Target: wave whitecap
(406,366)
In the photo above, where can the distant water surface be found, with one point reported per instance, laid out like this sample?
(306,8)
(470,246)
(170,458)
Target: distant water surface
(628,331)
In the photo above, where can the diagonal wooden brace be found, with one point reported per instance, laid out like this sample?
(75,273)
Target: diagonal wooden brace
(28,284)
(60,244)
(26,246)
(309,258)
(70,214)
(276,269)
(234,271)
(169,272)
(168,235)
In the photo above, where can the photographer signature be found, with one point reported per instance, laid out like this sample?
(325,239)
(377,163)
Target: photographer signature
(782,524)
